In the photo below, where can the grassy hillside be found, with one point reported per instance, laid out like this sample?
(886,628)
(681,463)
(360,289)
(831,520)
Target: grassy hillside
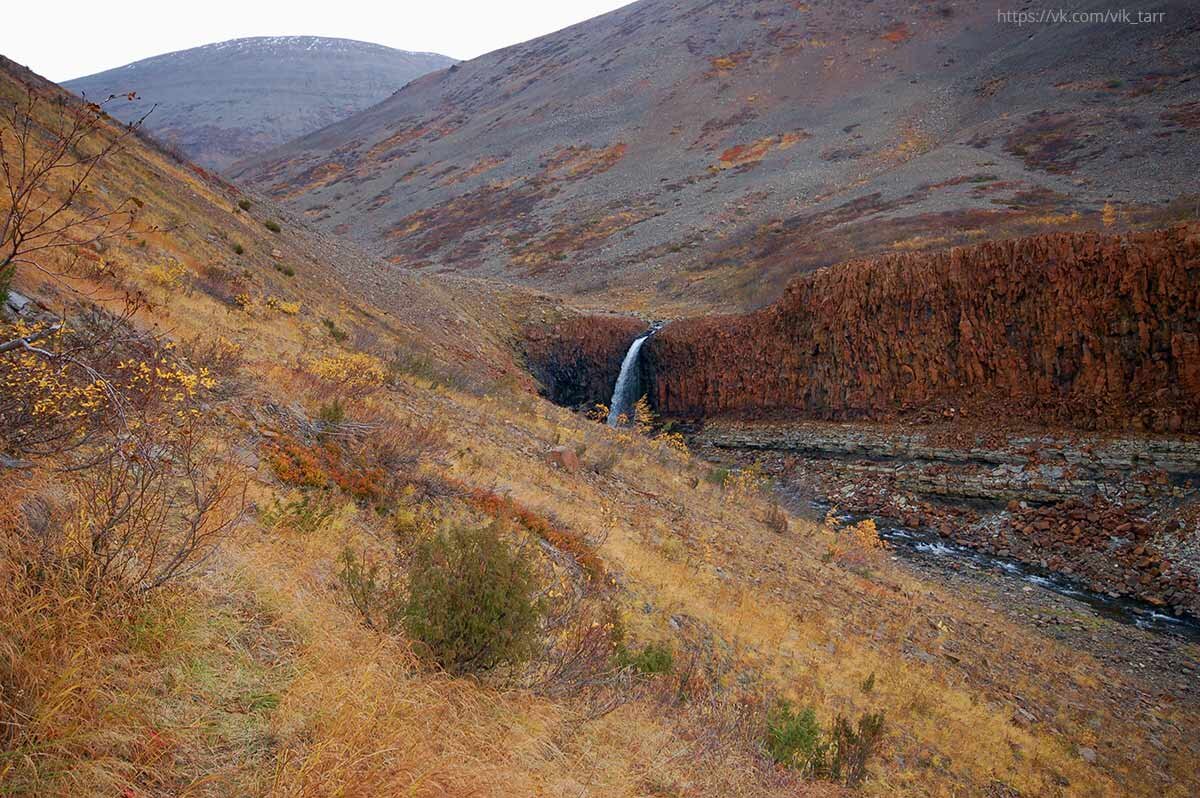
(676,155)
(353,407)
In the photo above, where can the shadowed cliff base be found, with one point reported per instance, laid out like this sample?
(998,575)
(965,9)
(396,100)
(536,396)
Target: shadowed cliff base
(576,360)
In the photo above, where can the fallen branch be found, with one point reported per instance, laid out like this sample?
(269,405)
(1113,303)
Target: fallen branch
(25,341)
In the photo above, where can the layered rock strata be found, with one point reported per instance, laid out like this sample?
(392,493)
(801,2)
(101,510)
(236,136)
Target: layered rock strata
(1084,331)
(1119,514)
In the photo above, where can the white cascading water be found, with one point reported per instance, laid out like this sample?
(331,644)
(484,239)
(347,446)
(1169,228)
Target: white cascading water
(624,394)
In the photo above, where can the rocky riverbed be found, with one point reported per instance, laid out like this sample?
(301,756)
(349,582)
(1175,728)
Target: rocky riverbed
(1166,664)
(1118,515)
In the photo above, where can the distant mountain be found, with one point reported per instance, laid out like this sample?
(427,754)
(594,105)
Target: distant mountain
(677,153)
(229,100)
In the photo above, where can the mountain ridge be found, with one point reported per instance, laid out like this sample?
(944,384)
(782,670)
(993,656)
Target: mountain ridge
(223,101)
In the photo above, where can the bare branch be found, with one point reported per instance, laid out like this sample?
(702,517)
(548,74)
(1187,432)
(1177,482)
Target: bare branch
(24,343)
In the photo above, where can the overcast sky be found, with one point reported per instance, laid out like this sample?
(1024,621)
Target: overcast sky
(71,39)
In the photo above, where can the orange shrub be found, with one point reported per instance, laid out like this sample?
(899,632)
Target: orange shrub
(497,506)
(325,465)
(297,464)
(856,544)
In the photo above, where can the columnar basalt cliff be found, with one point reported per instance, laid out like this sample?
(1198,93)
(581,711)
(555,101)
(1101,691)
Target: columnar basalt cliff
(577,360)
(1081,330)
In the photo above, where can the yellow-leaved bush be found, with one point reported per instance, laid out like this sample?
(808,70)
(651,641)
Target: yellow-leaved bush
(356,371)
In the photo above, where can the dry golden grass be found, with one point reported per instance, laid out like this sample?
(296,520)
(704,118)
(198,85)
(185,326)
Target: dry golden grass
(360,716)
(820,630)
(355,716)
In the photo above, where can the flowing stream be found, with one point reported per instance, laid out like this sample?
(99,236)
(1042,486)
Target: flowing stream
(923,545)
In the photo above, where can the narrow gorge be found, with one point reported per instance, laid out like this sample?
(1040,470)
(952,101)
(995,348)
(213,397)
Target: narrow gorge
(1035,399)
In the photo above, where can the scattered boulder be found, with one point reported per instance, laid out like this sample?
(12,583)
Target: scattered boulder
(17,302)
(565,458)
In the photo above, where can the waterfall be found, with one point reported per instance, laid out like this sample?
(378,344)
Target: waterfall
(626,391)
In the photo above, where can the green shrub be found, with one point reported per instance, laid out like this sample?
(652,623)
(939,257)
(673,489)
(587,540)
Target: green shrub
(654,658)
(717,476)
(262,702)
(852,748)
(423,367)
(244,204)
(794,739)
(332,413)
(306,514)
(284,269)
(6,275)
(238,249)
(868,684)
(377,596)
(413,365)
(471,603)
(272,225)
(335,332)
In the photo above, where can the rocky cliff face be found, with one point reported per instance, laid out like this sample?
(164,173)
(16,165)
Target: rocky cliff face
(1079,330)
(577,360)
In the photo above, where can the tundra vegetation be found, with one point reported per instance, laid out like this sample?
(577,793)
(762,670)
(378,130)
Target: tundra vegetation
(243,554)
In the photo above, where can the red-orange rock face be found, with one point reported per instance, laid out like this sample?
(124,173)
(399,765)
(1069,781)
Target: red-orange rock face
(577,360)
(1080,330)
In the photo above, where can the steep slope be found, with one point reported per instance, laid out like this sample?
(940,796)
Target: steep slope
(677,153)
(230,100)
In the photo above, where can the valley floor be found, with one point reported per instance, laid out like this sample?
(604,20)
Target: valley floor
(934,489)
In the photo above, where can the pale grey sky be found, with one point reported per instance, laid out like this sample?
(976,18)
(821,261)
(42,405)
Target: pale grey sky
(70,39)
